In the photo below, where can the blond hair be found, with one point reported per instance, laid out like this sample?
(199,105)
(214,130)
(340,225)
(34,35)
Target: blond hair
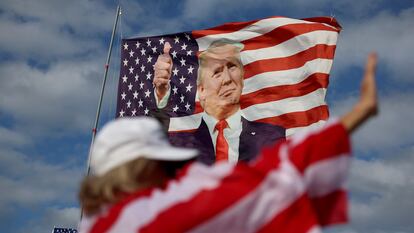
(97,191)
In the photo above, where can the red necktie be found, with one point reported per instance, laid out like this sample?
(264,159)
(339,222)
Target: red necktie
(222,147)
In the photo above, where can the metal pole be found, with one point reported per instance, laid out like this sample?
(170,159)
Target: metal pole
(98,111)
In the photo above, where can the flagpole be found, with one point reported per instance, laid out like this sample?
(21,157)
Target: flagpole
(98,111)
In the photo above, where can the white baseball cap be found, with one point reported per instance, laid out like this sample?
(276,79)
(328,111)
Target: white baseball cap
(125,139)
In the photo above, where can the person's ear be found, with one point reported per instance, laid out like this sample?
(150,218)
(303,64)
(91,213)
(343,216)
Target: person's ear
(201,92)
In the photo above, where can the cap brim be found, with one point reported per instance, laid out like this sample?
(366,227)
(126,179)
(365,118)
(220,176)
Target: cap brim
(170,153)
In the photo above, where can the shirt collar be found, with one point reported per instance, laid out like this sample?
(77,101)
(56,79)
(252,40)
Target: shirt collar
(233,121)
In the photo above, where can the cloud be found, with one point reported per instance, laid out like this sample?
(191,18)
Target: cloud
(390,130)
(43,101)
(390,34)
(54,217)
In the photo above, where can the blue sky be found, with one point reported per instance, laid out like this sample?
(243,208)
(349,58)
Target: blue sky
(51,66)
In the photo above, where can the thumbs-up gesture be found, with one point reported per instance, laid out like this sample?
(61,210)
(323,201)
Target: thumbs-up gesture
(162,72)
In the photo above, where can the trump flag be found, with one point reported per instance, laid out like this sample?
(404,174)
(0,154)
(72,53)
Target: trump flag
(286,64)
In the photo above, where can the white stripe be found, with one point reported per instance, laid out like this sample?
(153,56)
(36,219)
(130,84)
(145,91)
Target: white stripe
(185,123)
(259,111)
(315,229)
(326,176)
(283,106)
(290,47)
(286,77)
(142,211)
(278,191)
(295,130)
(256,29)
(299,137)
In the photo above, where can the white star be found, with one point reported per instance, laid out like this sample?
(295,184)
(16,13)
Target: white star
(182,79)
(141,85)
(176,40)
(182,99)
(148,43)
(130,87)
(175,108)
(189,52)
(137,44)
(154,49)
(121,113)
(190,70)
(182,61)
(136,61)
(146,111)
(131,69)
(128,104)
(136,77)
(142,68)
(140,103)
(131,53)
(149,76)
(133,112)
(183,47)
(187,36)
(123,95)
(175,71)
(174,54)
(125,46)
(149,59)
(143,51)
(135,95)
(162,40)
(147,93)
(125,62)
(124,78)
(187,106)
(188,87)
(175,90)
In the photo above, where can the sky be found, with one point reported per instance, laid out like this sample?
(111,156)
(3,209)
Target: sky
(52,56)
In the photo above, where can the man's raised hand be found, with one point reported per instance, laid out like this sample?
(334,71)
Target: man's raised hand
(162,72)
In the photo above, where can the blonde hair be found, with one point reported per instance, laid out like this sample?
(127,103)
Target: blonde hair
(218,43)
(138,174)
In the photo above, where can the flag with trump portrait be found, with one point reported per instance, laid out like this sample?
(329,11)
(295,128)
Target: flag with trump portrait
(286,64)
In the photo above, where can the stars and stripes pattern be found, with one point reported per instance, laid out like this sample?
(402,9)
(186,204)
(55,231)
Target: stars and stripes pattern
(295,186)
(286,63)
(135,88)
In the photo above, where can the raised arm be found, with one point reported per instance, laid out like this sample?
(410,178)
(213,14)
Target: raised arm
(367,105)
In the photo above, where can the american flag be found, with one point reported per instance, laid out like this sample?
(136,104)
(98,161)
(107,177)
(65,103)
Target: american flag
(286,63)
(64,230)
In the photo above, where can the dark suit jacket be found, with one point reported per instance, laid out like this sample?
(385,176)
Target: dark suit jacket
(254,136)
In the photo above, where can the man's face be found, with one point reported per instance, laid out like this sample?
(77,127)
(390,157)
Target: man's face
(221,78)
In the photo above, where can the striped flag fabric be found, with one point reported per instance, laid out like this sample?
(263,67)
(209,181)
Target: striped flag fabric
(286,72)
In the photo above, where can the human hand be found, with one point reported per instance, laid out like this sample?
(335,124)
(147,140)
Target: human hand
(162,72)
(367,106)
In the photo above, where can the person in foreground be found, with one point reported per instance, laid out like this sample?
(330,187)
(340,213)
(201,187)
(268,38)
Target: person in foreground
(140,183)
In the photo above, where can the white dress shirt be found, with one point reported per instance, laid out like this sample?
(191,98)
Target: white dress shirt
(231,133)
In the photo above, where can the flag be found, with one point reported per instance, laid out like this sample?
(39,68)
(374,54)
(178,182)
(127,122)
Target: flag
(64,230)
(286,72)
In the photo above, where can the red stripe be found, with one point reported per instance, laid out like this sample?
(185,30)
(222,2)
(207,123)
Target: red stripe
(299,119)
(208,203)
(329,143)
(282,34)
(225,28)
(290,62)
(310,84)
(105,222)
(298,217)
(332,208)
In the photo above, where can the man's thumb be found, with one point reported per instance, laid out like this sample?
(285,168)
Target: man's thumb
(167,47)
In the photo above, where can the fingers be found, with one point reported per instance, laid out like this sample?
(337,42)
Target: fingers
(167,47)
(368,86)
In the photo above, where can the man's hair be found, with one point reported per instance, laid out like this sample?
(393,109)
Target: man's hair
(218,43)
